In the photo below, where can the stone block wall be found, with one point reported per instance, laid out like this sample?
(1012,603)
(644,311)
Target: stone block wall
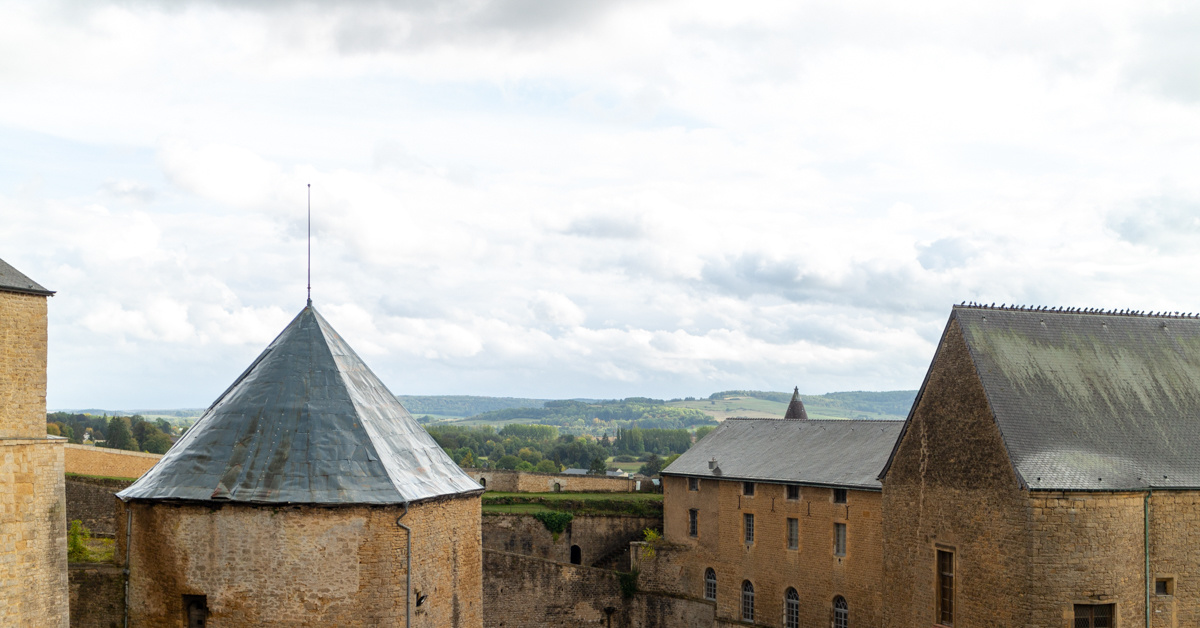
(771,567)
(1175,554)
(33,533)
(596,536)
(22,365)
(506,481)
(97,595)
(93,502)
(526,592)
(114,463)
(305,565)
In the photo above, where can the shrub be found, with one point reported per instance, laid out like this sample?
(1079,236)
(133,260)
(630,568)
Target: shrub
(629,583)
(77,538)
(556,522)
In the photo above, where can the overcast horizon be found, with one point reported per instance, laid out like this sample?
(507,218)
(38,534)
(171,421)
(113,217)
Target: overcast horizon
(585,199)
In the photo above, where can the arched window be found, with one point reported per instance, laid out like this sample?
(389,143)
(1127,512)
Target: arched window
(483,482)
(557,487)
(747,601)
(710,584)
(791,609)
(841,613)
(576,555)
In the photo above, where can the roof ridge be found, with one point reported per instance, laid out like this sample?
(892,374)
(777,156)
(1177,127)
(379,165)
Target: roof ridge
(1074,310)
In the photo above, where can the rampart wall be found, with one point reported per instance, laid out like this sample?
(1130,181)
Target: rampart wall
(93,502)
(97,595)
(506,481)
(112,463)
(598,537)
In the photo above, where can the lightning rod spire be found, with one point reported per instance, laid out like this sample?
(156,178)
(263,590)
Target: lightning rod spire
(310,245)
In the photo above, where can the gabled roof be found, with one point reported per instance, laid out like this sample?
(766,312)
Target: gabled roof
(13,280)
(795,409)
(815,452)
(1091,400)
(309,423)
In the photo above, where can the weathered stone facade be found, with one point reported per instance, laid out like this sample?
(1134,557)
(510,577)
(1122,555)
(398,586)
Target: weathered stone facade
(813,569)
(92,502)
(33,532)
(112,463)
(597,537)
(506,481)
(305,565)
(97,595)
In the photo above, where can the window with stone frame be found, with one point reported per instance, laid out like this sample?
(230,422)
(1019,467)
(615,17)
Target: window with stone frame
(791,609)
(748,527)
(839,495)
(710,584)
(693,523)
(1093,616)
(747,601)
(841,613)
(793,492)
(945,587)
(748,489)
(693,484)
(839,539)
(793,533)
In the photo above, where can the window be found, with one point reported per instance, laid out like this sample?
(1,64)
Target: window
(748,524)
(195,611)
(693,484)
(791,609)
(710,584)
(839,495)
(839,539)
(841,613)
(793,492)
(748,489)
(793,533)
(483,482)
(557,487)
(747,601)
(1093,615)
(576,555)
(945,585)
(1164,586)
(693,528)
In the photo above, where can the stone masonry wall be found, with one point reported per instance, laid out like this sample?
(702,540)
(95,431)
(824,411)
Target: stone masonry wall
(951,486)
(812,569)
(526,592)
(33,533)
(22,365)
(596,536)
(304,565)
(506,481)
(93,502)
(1175,553)
(97,595)
(114,463)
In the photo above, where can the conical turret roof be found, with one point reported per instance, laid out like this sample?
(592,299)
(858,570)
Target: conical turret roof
(308,423)
(795,409)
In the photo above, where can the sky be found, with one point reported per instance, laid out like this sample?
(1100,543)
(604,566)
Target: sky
(594,199)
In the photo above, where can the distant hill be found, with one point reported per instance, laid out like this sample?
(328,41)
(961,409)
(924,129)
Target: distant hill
(185,413)
(893,405)
(463,405)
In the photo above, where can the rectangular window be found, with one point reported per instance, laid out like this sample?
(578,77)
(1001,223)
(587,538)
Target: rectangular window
(693,527)
(793,492)
(793,533)
(1164,586)
(748,489)
(1093,616)
(839,539)
(748,523)
(945,579)
(839,495)
(195,610)
(693,484)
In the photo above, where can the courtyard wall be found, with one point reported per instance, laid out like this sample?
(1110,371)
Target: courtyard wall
(506,481)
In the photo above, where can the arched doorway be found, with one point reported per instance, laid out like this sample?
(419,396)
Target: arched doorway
(576,555)
(483,482)
(557,487)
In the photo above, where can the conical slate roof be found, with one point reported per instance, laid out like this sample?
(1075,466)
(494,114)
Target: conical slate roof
(795,409)
(307,423)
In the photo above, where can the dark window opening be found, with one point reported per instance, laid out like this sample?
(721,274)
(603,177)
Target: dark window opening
(1093,616)
(839,539)
(841,613)
(839,495)
(710,584)
(693,484)
(195,610)
(576,555)
(693,525)
(483,482)
(945,577)
(748,524)
(791,609)
(1164,586)
(747,601)
(748,489)
(793,532)
(557,487)
(793,492)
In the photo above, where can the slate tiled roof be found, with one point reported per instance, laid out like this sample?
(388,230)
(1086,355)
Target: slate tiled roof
(308,422)
(795,409)
(13,280)
(1091,401)
(814,452)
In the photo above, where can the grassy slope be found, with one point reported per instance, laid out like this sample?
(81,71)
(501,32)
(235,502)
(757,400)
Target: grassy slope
(831,406)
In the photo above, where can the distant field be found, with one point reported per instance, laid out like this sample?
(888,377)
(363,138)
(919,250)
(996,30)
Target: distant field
(722,409)
(828,406)
(628,467)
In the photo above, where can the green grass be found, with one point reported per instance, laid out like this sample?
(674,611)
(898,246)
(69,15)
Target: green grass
(628,467)
(98,477)
(721,409)
(515,509)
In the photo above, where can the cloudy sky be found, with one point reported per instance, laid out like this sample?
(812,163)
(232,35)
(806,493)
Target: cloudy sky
(586,199)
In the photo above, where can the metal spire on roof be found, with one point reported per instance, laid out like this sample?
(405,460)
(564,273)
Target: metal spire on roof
(310,245)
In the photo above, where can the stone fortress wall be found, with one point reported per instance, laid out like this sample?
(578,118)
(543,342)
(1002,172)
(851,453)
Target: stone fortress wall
(598,537)
(109,463)
(506,481)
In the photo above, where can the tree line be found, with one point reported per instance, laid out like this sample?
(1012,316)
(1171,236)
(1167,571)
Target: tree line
(130,433)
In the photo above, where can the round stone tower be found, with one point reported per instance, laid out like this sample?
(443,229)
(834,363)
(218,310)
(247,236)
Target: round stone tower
(305,495)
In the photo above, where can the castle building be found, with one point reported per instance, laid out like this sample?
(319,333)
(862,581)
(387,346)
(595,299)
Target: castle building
(305,495)
(33,530)
(778,521)
(1049,475)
